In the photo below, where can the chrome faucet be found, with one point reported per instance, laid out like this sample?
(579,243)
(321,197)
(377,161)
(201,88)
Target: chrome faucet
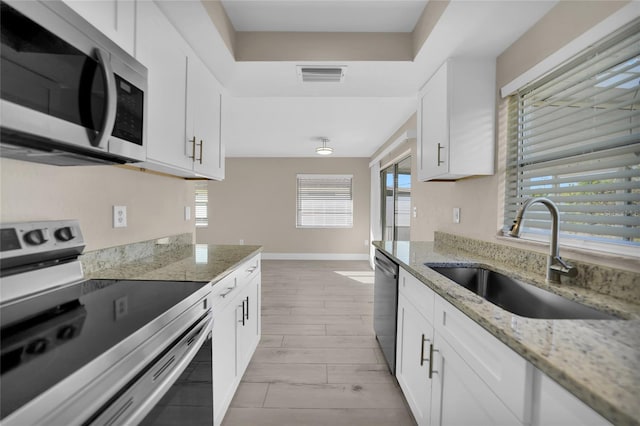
(555,265)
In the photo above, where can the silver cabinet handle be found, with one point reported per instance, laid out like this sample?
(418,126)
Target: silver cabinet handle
(247,313)
(193,149)
(422,358)
(253,268)
(243,313)
(226,293)
(440,147)
(111,103)
(200,159)
(431,351)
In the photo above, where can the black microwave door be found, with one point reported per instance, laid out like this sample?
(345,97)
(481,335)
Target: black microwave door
(42,72)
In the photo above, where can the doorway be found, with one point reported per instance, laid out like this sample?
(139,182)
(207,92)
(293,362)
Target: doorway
(396,201)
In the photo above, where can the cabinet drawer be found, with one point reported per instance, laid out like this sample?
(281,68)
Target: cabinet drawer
(421,296)
(506,373)
(224,290)
(249,269)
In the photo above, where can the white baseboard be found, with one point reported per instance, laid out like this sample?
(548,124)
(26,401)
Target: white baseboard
(315,256)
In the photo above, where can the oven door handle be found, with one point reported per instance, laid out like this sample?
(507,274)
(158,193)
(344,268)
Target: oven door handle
(110,101)
(144,407)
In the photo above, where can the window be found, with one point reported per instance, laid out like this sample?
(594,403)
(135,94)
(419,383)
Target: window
(396,201)
(574,137)
(324,201)
(202,201)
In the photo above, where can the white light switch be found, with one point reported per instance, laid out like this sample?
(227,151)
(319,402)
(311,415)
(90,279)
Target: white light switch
(187,213)
(119,216)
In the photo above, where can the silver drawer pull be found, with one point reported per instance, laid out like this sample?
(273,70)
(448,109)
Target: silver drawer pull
(226,293)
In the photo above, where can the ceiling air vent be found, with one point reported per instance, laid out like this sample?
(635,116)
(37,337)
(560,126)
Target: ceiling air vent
(321,74)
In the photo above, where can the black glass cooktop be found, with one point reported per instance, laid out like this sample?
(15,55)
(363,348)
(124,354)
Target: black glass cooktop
(47,338)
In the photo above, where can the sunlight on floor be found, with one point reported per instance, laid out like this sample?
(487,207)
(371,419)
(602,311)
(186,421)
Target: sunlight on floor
(365,277)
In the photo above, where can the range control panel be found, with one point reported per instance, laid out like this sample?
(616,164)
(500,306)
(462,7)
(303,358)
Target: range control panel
(29,239)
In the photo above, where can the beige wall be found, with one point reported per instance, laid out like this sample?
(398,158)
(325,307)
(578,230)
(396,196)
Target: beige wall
(155,204)
(257,203)
(481,199)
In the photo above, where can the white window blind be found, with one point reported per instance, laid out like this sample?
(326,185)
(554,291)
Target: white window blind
(574,137)
(202,202)
(324,201)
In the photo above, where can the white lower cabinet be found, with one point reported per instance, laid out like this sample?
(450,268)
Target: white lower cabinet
(413,348)
(555,406)
(236,331)
(454,372)
(460,397)
(441,385)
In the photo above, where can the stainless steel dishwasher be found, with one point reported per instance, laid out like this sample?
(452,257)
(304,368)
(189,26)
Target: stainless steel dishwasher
(385,307)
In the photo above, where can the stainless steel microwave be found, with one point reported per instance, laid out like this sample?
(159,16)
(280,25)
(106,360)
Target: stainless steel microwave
(70,96)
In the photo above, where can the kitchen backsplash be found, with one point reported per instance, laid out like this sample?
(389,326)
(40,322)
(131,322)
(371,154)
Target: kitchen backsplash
(113,256)
(613,282)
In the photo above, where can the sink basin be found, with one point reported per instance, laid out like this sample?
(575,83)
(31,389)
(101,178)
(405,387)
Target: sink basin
(517,297)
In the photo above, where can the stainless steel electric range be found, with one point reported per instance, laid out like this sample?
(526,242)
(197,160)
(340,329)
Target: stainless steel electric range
(78,351)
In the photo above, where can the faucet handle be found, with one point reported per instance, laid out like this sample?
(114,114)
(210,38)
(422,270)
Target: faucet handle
(563,267)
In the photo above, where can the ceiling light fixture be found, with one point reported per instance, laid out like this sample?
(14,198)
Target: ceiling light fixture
(324,149)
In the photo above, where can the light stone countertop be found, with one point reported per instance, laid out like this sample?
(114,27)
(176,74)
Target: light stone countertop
(596,360)
(199,262)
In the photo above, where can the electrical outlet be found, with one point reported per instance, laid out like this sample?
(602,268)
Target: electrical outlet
(241,242)
(119,216)
(456,215)
(187,213)
(366,243)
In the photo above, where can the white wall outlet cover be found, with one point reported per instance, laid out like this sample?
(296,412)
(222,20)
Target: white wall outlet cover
(119,216)
(456,215)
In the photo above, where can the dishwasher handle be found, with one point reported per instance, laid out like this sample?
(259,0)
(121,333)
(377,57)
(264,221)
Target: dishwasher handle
(386,269)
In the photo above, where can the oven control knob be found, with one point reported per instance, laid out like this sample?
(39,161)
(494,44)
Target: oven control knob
(38,346)
(37,237)
(67,332)
(65,234)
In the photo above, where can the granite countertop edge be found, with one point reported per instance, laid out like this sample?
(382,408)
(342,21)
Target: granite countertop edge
(571,369)
(182,264)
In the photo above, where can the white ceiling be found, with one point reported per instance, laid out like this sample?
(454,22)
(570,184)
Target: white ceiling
(271,114)
(324,15)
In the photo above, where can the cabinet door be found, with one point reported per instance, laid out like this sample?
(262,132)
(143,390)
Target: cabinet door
(460,397)
(433,127)
(163,51)
(224,358)
(249,328)
(203,118)
(415,334)
(556,406)
(114,18)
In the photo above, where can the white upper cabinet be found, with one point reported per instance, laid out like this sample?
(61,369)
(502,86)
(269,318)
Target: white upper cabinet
(115,18)
(184,101)
(456,114)
(204,112)
(163,51)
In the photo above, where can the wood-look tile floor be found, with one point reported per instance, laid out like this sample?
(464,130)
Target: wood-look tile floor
(318,362)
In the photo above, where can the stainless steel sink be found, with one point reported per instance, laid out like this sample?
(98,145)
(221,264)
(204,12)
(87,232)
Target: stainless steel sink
(517,297)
